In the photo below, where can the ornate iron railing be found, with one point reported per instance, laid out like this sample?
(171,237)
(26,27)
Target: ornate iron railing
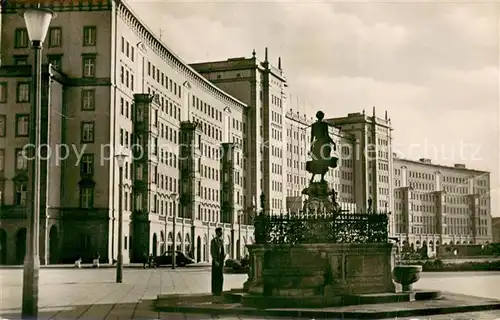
(338,228)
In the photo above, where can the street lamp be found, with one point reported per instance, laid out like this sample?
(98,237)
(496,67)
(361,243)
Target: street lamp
(37,22)
(173,196)
(238,252)
(120,160)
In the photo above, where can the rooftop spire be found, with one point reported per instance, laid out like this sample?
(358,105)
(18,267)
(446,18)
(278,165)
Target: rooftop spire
(374,111)
(265,59)
(253,53)
(386,117)
(279,63)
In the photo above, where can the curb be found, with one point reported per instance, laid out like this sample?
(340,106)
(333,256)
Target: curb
(323,314)
(102,266)
(59,266)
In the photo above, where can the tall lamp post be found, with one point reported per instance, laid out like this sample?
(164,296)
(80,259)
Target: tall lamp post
(173,196)
(238,252)
(120,159)
(37,22)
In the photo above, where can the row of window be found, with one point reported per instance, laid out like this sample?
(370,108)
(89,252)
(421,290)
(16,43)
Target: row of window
(162,79)
(22,92)
(55,37)
(21,125)
(88,63)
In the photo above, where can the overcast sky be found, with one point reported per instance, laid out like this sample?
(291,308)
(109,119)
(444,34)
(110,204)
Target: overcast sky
(433,67)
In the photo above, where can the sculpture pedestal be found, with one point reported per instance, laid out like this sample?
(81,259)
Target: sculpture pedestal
(319,274)
(320,200)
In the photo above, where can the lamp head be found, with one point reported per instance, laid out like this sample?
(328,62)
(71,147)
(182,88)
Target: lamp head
(37,22)
(120,159)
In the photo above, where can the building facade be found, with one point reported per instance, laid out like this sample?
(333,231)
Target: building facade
(369,170)
(203,141)
(125,92)
(438,205)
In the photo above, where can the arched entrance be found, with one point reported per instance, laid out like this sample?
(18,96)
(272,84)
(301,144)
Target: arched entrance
(205,248)
(178,242)
(170,242)
(187,245)
(155,244)
(198,249)
(3,246)
(53,245)
(20,245)
(162,242)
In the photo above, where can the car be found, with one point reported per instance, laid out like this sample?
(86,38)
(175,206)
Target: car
(181,259)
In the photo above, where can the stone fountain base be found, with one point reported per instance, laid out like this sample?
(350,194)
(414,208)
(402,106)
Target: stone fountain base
(320,272)
(371,306)
(266,302)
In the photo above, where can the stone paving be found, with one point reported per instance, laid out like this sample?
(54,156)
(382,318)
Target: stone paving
(93,293)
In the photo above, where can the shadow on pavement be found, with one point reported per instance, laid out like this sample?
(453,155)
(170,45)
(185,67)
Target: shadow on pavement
(140,310)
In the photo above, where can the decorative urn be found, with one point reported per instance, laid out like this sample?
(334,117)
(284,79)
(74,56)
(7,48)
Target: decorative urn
(406,275)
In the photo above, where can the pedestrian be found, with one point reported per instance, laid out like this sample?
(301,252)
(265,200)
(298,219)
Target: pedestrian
(145,260)
(95,262)
(78,263)
(218,255)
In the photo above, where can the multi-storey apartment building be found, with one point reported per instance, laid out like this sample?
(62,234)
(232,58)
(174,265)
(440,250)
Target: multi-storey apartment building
(263,88)
(204,141)
(364,146)
(440,205)
(119,89)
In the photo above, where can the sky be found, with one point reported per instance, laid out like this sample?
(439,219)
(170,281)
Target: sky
(433,66)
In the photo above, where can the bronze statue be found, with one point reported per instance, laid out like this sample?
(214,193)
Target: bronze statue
(321,148)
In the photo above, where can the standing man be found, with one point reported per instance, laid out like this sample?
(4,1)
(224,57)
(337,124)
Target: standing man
(218,255)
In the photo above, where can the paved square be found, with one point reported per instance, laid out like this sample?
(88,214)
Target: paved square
(93,293)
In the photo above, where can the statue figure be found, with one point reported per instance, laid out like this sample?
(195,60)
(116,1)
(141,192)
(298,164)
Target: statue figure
(321,148)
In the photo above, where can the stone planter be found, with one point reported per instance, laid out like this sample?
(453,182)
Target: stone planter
(406,275)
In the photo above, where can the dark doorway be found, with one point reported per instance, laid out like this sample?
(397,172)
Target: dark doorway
(3,247)
(20,245)
(155,243)
(198,249)
(53,245)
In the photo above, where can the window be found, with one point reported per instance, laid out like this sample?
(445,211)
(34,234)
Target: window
(23,92)
(3,125)
(56,61)
(22,125)
(89,36)
(2,160)
(87,164)
(86,197)
(88,99)
(88,66)
(20,194)
(21,60)
(21,160)
(3,92)
(55,37)
(21,38)
(87,132)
